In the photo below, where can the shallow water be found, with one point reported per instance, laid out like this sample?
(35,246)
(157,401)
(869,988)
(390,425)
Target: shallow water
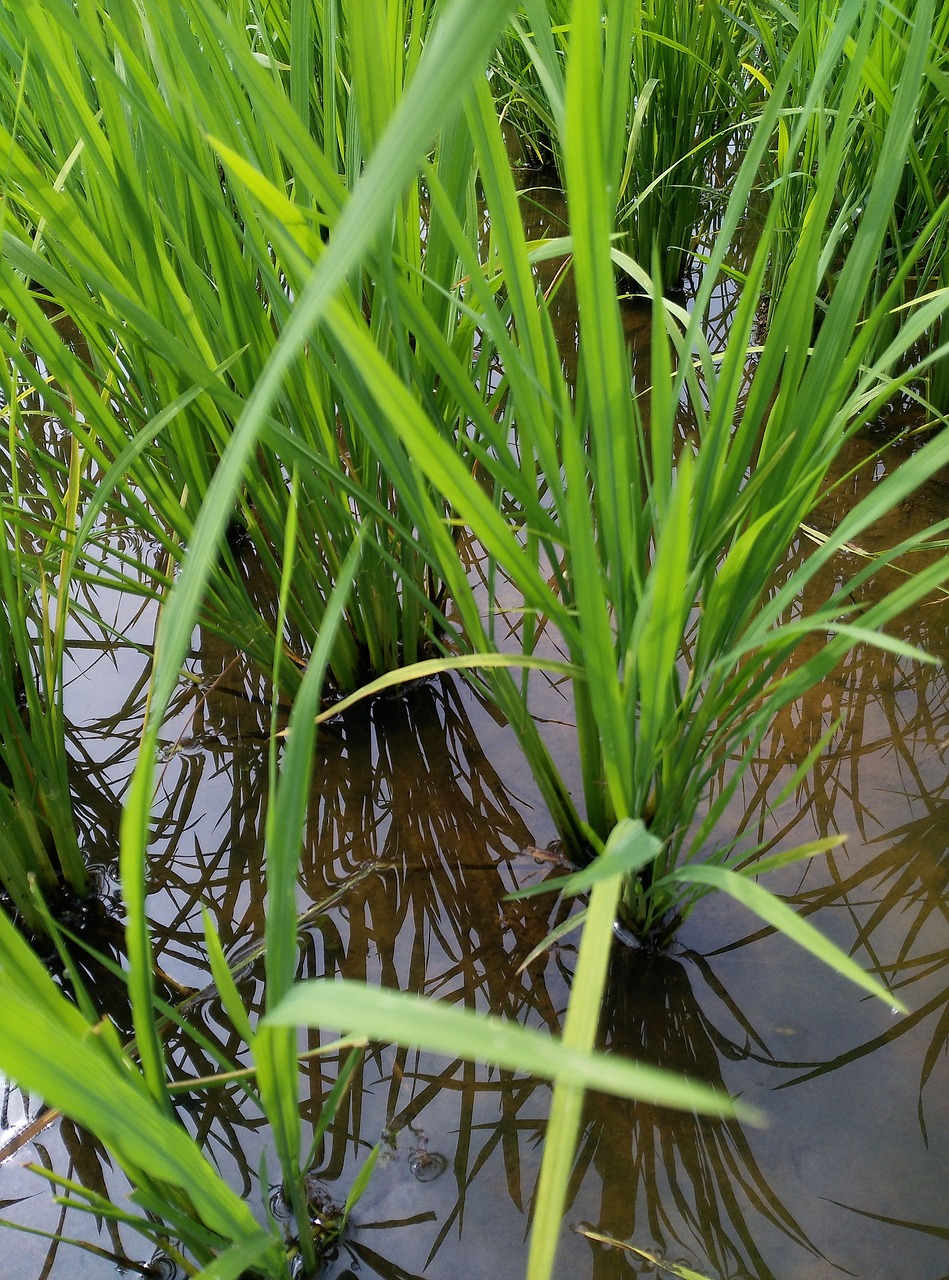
(423,818)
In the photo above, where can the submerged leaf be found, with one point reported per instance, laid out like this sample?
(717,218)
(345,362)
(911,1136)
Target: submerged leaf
(673,1268)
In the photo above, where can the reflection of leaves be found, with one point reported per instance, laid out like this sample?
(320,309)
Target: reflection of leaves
(937,1045)
(902,887)
(412,844)
(887,706)
(406,793)
(475,1145)
(89,1163)
(365,1257)
(695,1178)
(941,1233)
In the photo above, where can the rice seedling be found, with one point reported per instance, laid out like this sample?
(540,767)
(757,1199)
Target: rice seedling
(351,406)
(686,90)
(526,75)
(181,1192)
(624,647)
(66,1051)
(636,573)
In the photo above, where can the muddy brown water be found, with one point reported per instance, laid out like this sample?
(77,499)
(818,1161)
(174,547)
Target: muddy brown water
(424,817)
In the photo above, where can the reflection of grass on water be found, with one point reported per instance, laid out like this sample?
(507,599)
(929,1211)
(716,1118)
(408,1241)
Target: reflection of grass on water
(674,1184)
(408,850)
(897,905)
(889,882)
(411,843)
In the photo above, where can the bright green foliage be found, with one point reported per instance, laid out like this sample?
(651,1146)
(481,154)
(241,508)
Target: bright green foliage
(76,1062)
(654,557)
(526,76)
(290,238)
(683,85)
(672,95)
(688,88)
(51,1047)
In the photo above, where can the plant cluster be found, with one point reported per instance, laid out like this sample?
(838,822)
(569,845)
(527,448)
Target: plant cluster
(315,365)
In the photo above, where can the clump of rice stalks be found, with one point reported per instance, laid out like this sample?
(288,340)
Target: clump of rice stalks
(653,556)
(862,81)
(688,91)
(138,148)
(526,76)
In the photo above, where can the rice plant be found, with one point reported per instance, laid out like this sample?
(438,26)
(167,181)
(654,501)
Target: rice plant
(636,539)
(181,1193)
(526,75)
(74,1058)
(351,402)
(631,539)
